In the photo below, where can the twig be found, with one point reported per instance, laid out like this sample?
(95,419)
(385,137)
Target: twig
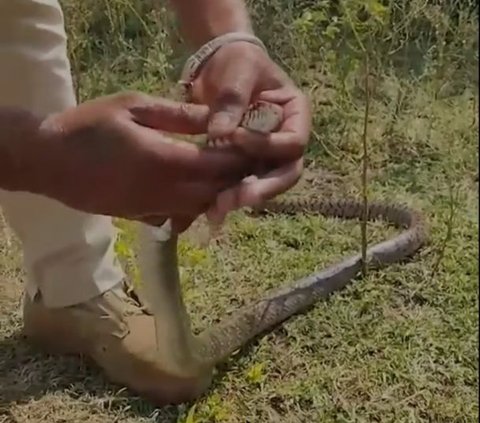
(76,76)
(363,225)
(398,107)
(474,107)
(365,168)
(448,235)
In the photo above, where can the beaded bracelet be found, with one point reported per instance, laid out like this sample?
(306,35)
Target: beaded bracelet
(196,61)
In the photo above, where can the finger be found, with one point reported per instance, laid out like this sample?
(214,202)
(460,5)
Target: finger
(170,116)
(297,109)
(164,157)
(280,95)
(234,92)
(280,146)
(225,165)
(253,191)
(182,223)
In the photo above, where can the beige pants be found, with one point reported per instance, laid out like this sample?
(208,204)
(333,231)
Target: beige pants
(68,255)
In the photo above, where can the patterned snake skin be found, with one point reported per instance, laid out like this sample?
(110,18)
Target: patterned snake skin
(194,356)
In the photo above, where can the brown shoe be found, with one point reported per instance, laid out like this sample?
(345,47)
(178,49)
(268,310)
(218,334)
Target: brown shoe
(118,334)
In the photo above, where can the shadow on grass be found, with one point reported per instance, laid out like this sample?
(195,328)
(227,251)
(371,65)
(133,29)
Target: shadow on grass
(28,374)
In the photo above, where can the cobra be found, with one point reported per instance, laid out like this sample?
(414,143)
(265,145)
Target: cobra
(188,359)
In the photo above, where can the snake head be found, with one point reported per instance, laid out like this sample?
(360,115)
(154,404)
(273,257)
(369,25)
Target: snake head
(263,117)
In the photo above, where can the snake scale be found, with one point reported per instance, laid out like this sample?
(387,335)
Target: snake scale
(192,358)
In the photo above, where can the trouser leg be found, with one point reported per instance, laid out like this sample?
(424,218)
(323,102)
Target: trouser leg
(68,255)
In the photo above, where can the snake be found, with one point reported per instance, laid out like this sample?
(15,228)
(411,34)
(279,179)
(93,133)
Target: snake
(191,358)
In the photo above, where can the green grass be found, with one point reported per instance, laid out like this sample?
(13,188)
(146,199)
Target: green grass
(398,346)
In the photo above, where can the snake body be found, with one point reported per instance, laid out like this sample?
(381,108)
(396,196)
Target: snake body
(190,357)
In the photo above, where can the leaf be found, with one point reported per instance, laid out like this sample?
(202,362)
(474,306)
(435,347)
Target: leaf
(191,414)
(331,31)
(255,373)
(377,10)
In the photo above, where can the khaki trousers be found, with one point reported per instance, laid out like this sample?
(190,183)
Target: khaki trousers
(68,255)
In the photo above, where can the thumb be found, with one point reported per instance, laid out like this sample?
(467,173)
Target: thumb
(233,95)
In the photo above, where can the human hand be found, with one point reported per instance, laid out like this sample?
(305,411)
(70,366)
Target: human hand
(109,156)
(237,75)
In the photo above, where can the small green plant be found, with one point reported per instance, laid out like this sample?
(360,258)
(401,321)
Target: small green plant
(255,374)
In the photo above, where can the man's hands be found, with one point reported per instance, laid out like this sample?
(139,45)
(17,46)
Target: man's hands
(112,156)
(236,75)
(109,156)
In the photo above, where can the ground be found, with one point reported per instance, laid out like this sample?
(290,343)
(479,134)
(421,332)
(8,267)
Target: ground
(397,346)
